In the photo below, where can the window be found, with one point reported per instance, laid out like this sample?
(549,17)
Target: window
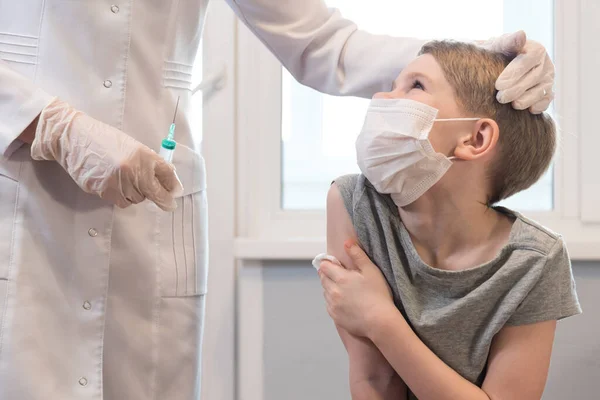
(324,128)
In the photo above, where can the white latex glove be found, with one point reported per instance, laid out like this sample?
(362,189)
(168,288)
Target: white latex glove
(528,81)
(103,160)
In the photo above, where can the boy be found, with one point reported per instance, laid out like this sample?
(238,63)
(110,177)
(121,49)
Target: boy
(474,290)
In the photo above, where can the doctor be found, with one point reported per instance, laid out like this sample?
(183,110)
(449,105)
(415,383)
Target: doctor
(99,300)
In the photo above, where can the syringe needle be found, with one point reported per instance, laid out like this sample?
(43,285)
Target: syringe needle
(176,108)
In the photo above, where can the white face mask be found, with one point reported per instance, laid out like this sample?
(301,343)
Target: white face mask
(394,152)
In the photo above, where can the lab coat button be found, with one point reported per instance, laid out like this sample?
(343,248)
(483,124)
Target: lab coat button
(107,84)
(92,232)
(114,9)
(83,382)
(87,305)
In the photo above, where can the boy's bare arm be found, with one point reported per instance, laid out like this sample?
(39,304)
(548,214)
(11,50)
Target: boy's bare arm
(371,376)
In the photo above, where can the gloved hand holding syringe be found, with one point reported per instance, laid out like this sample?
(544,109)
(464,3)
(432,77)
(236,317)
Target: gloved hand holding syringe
(105,161)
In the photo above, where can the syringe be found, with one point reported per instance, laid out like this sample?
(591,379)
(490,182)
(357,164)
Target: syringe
(168,145)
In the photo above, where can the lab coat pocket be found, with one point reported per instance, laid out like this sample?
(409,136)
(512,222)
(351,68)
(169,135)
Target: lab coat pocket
(184,233)
(20,22)
(19,53)
(180,330)
(9,189)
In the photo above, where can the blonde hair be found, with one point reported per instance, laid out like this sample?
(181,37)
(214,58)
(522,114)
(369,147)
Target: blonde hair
(527,142)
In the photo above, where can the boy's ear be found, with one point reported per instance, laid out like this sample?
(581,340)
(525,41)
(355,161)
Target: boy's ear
(480,142)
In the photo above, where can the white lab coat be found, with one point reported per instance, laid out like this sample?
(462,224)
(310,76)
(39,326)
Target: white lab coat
(98,302)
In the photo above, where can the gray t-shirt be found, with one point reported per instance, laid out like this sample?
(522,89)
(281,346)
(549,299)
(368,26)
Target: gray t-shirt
(457,313)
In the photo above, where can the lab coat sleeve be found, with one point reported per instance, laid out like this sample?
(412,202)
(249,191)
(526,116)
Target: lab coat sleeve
(21,101)
(323,50)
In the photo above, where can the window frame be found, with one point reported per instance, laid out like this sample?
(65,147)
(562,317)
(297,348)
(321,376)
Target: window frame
(219,357)
(265,231)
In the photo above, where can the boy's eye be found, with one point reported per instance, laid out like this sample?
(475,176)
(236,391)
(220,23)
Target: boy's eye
(418,85)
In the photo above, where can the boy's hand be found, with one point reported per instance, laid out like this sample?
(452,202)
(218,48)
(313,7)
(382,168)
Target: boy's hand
(356,299)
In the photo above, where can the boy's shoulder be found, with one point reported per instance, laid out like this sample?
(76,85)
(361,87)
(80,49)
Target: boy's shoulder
(530,234)
(352,187)
(349,186)
(360,197)
(354,183)
(349,181)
